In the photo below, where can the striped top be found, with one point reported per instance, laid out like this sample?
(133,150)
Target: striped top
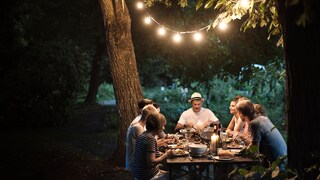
(145,143)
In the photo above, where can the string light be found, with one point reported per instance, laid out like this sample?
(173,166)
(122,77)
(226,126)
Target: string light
(147,20)
(161,31)
(245,4)
(177,37)
(197,36)
(140,5)
(222,25)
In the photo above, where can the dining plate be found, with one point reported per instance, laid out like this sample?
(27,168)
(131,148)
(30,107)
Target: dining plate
(179,152)
(233,146)
(222,159)
(183,131)
(175,146)
(235,151)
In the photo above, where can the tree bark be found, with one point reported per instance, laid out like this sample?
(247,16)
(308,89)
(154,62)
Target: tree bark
(95,73)
(302,49)
(124,70)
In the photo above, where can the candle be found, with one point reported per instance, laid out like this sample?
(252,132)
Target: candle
(213,144)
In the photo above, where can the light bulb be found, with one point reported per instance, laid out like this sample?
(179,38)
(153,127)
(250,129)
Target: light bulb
(177,38)
(147,20)
(140,5)
(222,25)
(197,36)
(244,4)
(161,31)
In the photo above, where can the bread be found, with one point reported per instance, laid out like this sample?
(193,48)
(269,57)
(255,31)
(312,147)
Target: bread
(225,154)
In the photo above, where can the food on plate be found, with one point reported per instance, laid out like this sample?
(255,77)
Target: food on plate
(183,131)
(179,152)
(234,145)
(172,145)
(225,154)
(228,140)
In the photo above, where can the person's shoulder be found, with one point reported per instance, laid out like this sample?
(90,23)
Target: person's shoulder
(204,109)
(262,118)
(187,111)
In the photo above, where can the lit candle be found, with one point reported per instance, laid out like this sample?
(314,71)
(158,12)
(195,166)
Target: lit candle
(213,147)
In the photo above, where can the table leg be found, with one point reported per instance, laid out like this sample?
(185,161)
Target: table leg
(170,173)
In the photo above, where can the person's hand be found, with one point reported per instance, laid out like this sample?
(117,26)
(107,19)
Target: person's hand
(189,124)
(163,142)
(200,126)
(207,123)
(169,153)
(230,133)
(235,134)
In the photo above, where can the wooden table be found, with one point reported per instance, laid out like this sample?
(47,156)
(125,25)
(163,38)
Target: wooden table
(205,163)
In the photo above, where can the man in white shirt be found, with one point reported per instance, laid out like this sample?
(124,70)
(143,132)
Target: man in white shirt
(196,116)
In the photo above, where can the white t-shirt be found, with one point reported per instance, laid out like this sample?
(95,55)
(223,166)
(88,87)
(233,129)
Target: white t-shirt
(132,134)
(135,120)
(204,116)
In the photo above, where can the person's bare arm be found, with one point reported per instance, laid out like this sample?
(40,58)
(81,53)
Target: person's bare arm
(153,161)
(179,126)
(163,142)
(230,127)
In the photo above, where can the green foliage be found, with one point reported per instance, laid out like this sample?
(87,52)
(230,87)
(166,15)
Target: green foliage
(45,49)
(45,84)
(105,92)
(265,86)
(261,171)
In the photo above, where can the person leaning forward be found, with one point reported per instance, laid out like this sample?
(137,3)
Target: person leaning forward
(196,116)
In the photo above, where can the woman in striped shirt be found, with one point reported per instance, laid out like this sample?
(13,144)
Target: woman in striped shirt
(146,164)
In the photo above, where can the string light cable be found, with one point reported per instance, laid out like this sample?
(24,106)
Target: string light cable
(177,35)
(220,22)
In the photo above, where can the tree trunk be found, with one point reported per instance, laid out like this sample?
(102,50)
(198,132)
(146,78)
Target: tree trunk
(124,70)
(302,49)
(95,73)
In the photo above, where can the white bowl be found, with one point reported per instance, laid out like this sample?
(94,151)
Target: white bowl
(198,149)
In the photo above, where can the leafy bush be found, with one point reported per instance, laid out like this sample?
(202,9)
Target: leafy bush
(105,92)
(266,87)
(45,83)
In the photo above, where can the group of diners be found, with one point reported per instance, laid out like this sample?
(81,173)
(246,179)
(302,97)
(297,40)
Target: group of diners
(146,133)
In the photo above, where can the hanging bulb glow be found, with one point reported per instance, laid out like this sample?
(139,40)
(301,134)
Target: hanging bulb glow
(222,25)
(140,5)
(197,36)
(244,4)
(147,20)
(161,31)
(177,38)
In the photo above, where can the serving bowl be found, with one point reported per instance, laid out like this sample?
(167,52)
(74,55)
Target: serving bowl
(197,149)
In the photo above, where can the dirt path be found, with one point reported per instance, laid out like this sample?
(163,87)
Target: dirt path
(78,151)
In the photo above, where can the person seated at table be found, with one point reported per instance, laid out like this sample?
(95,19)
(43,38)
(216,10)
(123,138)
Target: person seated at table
(196,116)
(141,104)
(264,134)
(236,124)
(133,132)
(163,139)
(245,136)
(146,164)
(260,110)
